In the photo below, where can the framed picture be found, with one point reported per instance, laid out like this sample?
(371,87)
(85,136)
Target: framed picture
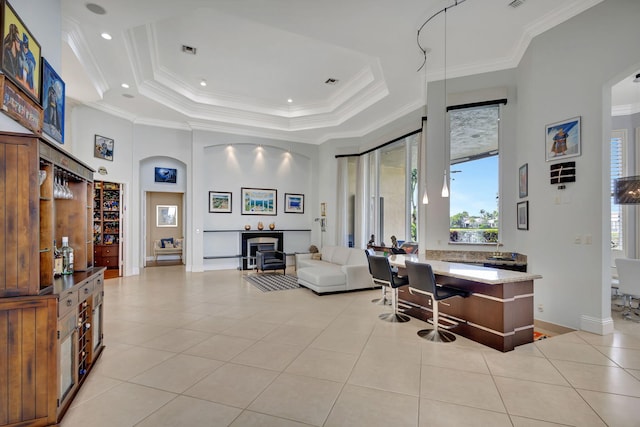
(52,102)
(259,201)
(293,203)
(103,148)
(219,201)
(166,216)
(20,53)
(523,180)
(562,139)
(523,215)
(169,175)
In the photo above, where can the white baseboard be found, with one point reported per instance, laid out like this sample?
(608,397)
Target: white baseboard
(596,325)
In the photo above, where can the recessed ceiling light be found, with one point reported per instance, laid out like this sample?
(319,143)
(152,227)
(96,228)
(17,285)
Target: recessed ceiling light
(203,82)
(106,36)
(124,85)
(289,100)
(95,8)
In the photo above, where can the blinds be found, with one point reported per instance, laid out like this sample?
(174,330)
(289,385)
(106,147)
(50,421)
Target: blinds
(617,171)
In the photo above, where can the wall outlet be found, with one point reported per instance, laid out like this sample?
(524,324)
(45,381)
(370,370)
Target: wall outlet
(540,308)
(588,239)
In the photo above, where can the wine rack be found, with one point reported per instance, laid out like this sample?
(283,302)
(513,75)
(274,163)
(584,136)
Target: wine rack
(85,340)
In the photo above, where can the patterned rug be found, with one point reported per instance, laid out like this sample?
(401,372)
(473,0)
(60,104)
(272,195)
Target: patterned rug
(539,336)
(273,282)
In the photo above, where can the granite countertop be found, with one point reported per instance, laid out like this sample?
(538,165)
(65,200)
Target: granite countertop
(477,273)
(479,257)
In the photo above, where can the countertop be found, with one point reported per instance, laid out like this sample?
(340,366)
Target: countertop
(477,273)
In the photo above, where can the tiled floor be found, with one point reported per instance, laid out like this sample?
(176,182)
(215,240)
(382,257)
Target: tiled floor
(209,349)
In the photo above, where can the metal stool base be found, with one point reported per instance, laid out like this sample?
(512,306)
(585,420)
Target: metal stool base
(394,317)
(436,335)
(381,301)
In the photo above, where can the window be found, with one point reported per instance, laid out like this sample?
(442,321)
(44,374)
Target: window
(618,142)
(474,174)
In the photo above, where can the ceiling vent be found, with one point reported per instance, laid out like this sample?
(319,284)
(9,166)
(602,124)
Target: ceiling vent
(189,49)
(331,81)
(516,3)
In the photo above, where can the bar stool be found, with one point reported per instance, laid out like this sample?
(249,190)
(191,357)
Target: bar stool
(423,281)
(379,301)
(382,275)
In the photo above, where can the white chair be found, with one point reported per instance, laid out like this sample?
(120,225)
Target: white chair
(629,286)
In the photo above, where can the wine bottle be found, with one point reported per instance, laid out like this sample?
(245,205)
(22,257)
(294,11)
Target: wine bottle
(57,260)
(67,256)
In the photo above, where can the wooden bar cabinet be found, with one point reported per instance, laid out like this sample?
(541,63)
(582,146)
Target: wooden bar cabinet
(50,327)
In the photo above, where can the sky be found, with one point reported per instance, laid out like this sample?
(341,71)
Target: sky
(475,187)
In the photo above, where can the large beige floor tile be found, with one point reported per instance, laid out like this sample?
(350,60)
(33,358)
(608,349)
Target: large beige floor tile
(323,364)
(254,329)
(441,414)
(615,410)
(340,340)
(393,350)
(624,357)
(211,324)
(187,411)
(524,367)
(138,334)
(177,340)
(94,385)
(293,335)
(574,352)
(254,419)
(268,355)
(454,357)
(298,398)
(233,385)
(384,375)
(608,379)
(220,347)
(616,339)
(546,402)
(460,387)
(178,373)
(364,407)
(132,362)
(529,422)
(124,405)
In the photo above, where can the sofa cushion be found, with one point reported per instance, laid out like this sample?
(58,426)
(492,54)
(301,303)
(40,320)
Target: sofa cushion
(327,252)
(323,276)
(357,257)
(340,255)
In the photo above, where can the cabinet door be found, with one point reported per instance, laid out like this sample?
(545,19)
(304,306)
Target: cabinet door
(19,216)
(67,357)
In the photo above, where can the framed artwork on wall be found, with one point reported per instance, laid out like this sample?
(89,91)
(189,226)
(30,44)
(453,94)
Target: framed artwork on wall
(166,216)
(293,203)
(20,53)
(562,139)
(52,102)
(168,175)
(259,201)
(103,148)
(219,201)
(523,180)
(523,215)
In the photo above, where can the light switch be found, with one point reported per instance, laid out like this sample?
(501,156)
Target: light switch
(578,239)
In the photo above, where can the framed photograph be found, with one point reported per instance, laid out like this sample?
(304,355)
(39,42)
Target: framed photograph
(169,175)
(219,201)
(259,201)
(20,53)
(523,215)
(293,203)
(52,102)
(562,139)
(103,148)
(166,216)
(523,180)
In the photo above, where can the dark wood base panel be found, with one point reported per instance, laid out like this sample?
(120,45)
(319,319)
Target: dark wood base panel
(499,316)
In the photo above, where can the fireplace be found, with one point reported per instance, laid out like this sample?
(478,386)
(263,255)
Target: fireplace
(249,243)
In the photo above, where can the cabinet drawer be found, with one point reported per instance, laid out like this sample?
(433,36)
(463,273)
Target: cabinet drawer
(68,300)
(85,290)
(109,251)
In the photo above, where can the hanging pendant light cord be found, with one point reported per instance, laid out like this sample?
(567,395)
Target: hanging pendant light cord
(423,49)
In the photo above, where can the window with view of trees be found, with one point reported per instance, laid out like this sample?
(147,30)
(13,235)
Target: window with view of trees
(474,180)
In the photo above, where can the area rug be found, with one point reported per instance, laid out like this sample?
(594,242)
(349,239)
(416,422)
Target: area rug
(539,336)
(273,282)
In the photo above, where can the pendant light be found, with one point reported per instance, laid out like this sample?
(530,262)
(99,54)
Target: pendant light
(445,187)
(425,196)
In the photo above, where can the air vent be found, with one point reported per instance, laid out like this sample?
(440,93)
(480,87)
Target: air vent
(516,3)
(96,8)
(331,81)
(189,49)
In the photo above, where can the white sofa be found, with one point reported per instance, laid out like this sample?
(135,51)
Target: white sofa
(340,269)
(169,248)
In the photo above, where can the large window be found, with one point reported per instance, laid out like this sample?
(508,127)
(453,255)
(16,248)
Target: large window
(474,178)
(618,142)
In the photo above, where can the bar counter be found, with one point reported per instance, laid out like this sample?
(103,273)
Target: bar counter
(498,313)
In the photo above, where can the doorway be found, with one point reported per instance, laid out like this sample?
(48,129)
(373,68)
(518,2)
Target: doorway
(164,243)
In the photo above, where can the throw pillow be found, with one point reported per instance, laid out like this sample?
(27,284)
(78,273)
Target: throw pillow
(166,243)
(316,256)
(177,244)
